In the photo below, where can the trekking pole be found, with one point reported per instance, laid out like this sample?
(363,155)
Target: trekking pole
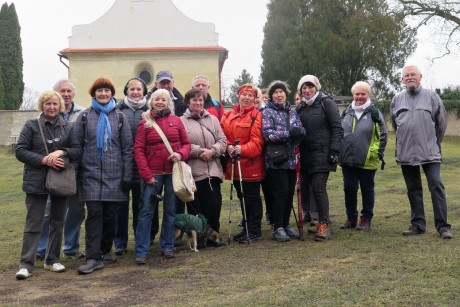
(231,202)
(242,197)
(232,175)
(299,193)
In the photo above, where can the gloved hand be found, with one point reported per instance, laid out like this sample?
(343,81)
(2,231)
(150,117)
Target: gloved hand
(295,133)
(126,186)
(380,157)
(333,158)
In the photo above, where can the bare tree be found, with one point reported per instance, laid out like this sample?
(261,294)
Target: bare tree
(29,99)
(443,16)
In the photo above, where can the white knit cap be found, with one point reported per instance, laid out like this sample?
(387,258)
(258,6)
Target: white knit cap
(311,79)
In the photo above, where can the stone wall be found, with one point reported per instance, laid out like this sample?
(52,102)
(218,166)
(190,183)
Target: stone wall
(11,123)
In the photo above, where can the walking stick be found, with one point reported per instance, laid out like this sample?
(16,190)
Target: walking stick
(242,197)
(231,201)
(232,174)
(299,193)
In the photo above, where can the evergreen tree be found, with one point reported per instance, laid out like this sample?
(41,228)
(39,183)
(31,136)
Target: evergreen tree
(11,61)
(244,78)
(340,42)
(2,92)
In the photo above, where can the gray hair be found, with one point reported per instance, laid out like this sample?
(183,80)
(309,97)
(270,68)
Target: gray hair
(56,86)
(200,77)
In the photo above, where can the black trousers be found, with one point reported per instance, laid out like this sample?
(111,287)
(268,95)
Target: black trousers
(253,204)
(318,182)
(208,201)
(100,228)
(282,185)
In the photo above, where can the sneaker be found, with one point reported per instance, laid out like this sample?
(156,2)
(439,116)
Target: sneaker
(413,231)
(364,224)
(291,232)
(90,266)
(238,237)
(55,267)
(323,232)
(348,224)
(109,258)
(119,251)
(251,238)
(168,254)
(446,234)
(23,274)
(280,235)
(140,260)
(75,255)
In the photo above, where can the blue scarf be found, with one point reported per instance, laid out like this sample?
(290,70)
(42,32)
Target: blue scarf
(104,131)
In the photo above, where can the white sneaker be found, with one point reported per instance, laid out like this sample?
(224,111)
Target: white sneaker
(23,274)
(55,267)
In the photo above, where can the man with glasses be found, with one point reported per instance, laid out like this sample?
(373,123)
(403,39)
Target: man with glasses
(419,118)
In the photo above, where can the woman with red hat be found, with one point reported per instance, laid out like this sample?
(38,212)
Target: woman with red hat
(243,124)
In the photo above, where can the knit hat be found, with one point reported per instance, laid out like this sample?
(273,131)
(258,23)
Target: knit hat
(276,85)
(309,79)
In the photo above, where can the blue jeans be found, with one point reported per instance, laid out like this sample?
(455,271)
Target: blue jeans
(144,223)
(413,181)
(74,217)
(352,177)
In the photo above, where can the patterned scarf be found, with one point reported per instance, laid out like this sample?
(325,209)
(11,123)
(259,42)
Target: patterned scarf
(133,104)
(104,131)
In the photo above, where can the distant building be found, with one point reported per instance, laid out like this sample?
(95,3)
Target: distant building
(138,38)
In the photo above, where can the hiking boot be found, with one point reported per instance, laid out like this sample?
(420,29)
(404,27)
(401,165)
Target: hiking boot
(140,260)
(251,238)
(323,232)
(109,258)
(74,255)
(446,234)
(90,266)
(291,232)
(23,274)
(348,224)
(413,231)
(238,237)
(168,254)
(55,267)
(119,251)
(364,224)
(280,235)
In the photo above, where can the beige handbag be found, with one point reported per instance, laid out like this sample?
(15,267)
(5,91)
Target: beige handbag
(182,178)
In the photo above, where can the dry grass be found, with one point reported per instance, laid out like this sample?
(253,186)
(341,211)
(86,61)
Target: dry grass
(355,268)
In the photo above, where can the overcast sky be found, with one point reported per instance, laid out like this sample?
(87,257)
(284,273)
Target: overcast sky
(47,24)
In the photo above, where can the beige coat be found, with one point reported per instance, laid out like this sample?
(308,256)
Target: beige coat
(200,138)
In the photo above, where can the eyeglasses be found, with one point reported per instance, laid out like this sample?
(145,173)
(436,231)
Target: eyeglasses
(55,140)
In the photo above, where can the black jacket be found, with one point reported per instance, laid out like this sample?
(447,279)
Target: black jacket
(30,150)
(325,133)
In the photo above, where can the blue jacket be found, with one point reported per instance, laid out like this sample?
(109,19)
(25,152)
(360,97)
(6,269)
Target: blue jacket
(274,129)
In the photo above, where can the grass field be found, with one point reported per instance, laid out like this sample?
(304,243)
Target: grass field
(354,269)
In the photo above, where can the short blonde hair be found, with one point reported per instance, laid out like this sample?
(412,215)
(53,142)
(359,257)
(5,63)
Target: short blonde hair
(47,95)
(158,93)
(362,85)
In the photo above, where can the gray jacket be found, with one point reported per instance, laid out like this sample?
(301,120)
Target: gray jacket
(420,121)
(101,180)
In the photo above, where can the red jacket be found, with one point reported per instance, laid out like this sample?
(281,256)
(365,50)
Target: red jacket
(150,152)
(247,128)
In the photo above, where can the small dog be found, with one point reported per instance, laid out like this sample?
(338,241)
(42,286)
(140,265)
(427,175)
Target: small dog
(192,225)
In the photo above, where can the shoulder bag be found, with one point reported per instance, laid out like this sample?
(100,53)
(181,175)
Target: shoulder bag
(182,178)
(277,152)
(61,183)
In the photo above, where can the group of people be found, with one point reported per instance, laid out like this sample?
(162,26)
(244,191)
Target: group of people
(130,146)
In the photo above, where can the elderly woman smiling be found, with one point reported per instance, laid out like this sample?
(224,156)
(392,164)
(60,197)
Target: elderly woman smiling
(62,144)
